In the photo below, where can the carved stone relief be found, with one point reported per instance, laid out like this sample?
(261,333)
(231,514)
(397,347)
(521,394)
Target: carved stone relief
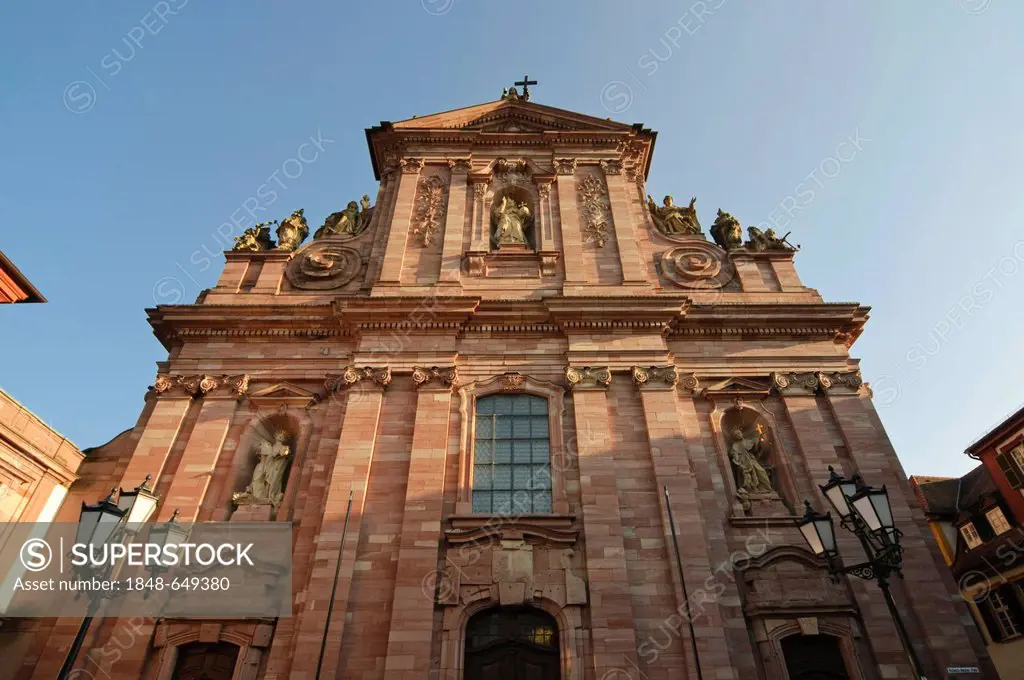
(696,265)
(595,209)
(431,208)
(323,265)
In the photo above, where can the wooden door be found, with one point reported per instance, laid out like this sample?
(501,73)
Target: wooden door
(512,644)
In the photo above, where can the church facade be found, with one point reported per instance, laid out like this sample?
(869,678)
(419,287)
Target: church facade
(575,425)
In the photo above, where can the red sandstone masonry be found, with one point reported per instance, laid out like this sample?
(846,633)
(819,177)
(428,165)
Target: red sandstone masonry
(412,622)
(611,612)
(350,473)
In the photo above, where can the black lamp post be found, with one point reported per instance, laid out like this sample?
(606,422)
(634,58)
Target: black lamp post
(102,523)
(864,511)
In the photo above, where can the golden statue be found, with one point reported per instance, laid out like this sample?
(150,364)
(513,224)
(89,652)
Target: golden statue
(348,222)
(674,220)
(511,219)
(726,231)
(745,453)
(256,238)
(292,231)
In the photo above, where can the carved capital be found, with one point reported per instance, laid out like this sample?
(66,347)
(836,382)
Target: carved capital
(795,383)
(410,166)
(690,383)
(513,382)
(353,375)
(588,377)
(655,376)
(479,190)
(849,381)
(459,165)
(163,383)
(565,166)
(447,377)
(612,166)
(201,385)
(544,189)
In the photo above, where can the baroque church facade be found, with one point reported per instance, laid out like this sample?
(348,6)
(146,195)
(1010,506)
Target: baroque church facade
(575,425)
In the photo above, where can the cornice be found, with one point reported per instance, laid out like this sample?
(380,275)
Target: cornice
(672,314)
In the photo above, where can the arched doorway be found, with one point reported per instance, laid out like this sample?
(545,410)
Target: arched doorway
(814,657)
(512,644)
(206,661)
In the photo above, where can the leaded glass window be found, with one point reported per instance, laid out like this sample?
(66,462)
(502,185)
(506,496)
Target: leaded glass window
(512,455)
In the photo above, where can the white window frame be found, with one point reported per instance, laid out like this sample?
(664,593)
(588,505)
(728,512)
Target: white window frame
(1003,615)
(997,520)
(970,535)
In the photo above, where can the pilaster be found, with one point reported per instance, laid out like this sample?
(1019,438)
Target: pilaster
(159,434)
(611,605)
(455,220)
(625,232)
(272,273)
(398,235)
(672,471)
(188,488)
(572,238)
(412,616)
(364,395)
(939,644)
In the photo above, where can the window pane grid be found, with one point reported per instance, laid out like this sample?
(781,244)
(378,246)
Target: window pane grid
(511,471)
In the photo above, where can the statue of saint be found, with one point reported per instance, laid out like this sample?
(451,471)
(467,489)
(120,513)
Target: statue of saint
(673,220)
(268,477)
(292,231)
(511,221)
(256,238)
(767,240)
(726,231)
(348,222)
(745,453)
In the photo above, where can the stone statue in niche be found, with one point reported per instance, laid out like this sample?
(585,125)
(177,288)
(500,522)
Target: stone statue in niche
(351,221)
(511,220)
(748,451)
(292,231)
(268,476)
(726,231)
(674,220)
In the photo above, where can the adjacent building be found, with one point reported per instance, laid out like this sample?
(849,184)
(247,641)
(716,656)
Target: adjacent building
(977,523)
(534,381)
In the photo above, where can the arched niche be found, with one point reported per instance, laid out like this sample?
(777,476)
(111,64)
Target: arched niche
(268,429)
(747,435)
(510,205)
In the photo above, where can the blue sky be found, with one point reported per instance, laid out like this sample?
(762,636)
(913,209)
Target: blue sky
(132,131)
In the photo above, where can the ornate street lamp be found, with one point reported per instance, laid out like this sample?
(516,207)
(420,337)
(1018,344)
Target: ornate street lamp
(98,525)
(866,512)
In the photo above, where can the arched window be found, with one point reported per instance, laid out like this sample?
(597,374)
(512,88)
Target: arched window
(518,644)
(206,661)
(814,657)
(512,455)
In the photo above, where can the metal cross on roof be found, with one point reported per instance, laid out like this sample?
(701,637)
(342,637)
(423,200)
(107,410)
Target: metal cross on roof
(525,83)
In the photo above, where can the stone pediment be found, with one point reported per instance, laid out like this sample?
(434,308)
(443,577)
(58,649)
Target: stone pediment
(283,394)
(737,387)
(512,116)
